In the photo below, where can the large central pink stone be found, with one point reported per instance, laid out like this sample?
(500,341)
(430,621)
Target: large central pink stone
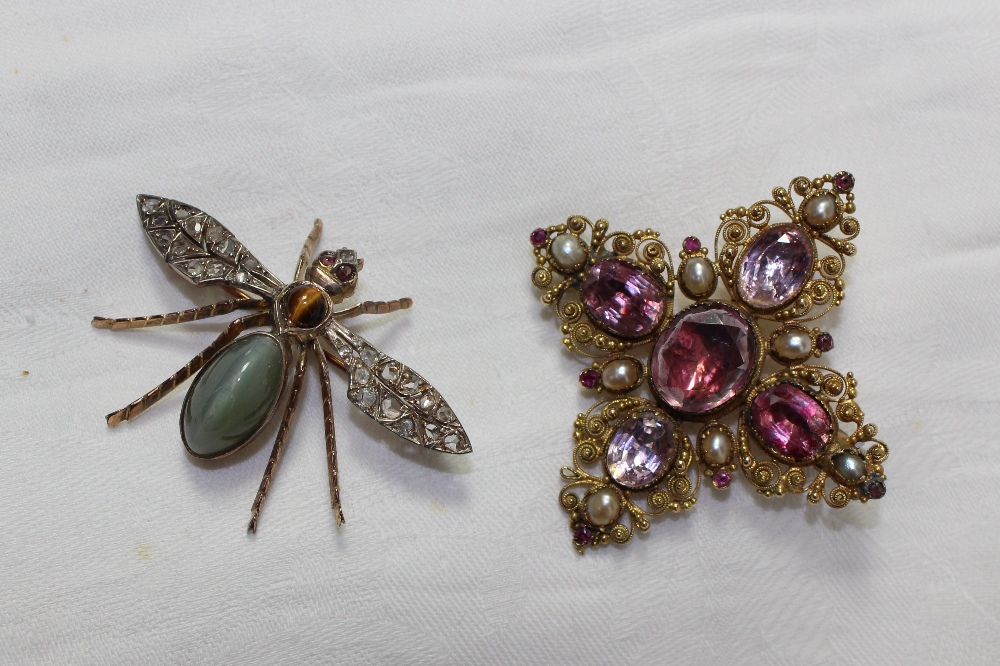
(641,450)
(704,358)
(790,422)
(775,267)
(622,299)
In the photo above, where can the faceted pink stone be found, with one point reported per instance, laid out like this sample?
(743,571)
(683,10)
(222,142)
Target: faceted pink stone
(622,299)
(775,267)
(722,479)
(692,244)
(704,358)
(641,450)
(843,181)
(589,378)
(790,422)
(538,237)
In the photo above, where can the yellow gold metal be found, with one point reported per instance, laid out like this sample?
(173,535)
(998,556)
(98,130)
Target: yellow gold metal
(725,441)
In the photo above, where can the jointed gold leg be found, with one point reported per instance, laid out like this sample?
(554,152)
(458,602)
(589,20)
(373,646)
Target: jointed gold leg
(279,440)
(373,307)
(194,314)
(331,436)
(235,327)
(305,257)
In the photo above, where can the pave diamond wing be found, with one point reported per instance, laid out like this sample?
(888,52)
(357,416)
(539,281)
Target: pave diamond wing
(395,396)
(198,247)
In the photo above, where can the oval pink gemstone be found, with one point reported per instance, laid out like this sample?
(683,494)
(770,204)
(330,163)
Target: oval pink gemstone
(641,450)
(775,267)
(704,358)
(790,422)
(622,299)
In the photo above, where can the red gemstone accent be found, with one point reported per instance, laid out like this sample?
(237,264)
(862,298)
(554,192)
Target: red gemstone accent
(538,237)
(876,489)
(824,342)
(722,479)
(622,299)
(843,181)
(582,535)
(345,273)
(704,358)
(589,378)
(790,423)
(775,267)
(692,244)
(327,260)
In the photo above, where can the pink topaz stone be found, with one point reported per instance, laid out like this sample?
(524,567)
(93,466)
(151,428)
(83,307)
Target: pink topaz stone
(790,422)
(704,358)
(641,450)
(622,299)
(775,267)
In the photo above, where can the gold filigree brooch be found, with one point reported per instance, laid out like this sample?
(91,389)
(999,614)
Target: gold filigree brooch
(716,404)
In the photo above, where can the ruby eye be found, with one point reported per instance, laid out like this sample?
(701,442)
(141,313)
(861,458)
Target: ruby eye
(345,273)
(327,260)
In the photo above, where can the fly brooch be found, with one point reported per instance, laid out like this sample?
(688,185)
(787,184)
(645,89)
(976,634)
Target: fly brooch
(732,381)
(242,379)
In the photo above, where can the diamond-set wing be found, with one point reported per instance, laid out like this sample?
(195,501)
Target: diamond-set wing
(395,396)
(198,247)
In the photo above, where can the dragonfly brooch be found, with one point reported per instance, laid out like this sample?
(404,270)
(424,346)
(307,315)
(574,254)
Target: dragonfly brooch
(715,406)
(242,378)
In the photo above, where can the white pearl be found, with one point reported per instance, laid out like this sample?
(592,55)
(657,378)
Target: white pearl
(792,345)
(620,375)
(850,466)
(568,251)
(604,506)
(821,210)
(698,276)
(716,446)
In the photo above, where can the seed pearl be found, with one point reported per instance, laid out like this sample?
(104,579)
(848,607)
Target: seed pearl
(619,375)
(716,446)
(603,507)
(698,276)
(792,345)
(821,210)
(850,465)
(568,251)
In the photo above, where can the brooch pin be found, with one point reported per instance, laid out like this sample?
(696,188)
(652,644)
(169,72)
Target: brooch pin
(716,405)
(242,378)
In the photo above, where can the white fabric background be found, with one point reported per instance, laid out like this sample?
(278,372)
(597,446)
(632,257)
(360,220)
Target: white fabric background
(433,139)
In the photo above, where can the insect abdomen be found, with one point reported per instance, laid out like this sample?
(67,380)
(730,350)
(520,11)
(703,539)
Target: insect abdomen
(233,396)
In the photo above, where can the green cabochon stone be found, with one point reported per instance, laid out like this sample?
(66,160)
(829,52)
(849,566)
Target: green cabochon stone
(232,397)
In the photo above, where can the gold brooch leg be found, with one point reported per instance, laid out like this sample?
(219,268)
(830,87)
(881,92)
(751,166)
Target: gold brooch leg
(231,332)
(279,440)
(330,432)
(374,307)
(182,317)
(307,250)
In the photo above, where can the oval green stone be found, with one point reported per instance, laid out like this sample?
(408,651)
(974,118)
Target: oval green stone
(233,395)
